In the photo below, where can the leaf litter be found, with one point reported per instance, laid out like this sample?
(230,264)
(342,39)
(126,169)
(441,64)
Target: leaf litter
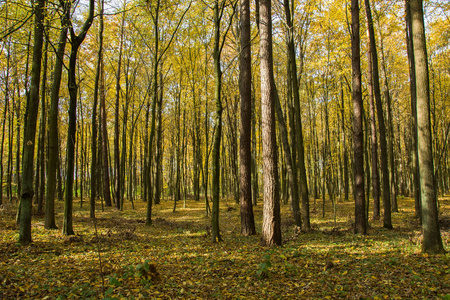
(175,258)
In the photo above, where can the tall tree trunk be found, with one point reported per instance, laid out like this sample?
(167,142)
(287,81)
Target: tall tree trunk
(159,150)
(344,147)
(123,156)
(271,228)
(104,134)
(27,192)
(291,170)
(5,112)
(432,241)
(218,10)
(373,130)
(157,58)
(40,166)
(412,88)
(177,196)
(387,221)
(206,165)
(297,137)
(358,137)
(18,113)
(117,166)
(255,186)
(217,125)
(94,162)
(390,129)
(71,133)
(306,223)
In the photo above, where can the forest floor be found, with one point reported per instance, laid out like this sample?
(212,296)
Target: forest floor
(175,258)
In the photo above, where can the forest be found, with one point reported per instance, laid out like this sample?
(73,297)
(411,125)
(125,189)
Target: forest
(224,149)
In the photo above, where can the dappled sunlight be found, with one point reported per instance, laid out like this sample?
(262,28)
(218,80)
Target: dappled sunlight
(329,261)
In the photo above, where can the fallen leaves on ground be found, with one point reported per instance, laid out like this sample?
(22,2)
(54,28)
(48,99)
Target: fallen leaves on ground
(175,258)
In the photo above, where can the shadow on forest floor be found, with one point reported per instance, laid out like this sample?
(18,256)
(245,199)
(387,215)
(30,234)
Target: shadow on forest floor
(175,258)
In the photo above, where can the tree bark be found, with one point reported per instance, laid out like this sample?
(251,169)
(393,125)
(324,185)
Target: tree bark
(27,192)
(412,88)
(40,165)
(390,131)
(373,137)
(104,139)
(117,166)
(387,222)
(297,137)
(71,132)
(306,223)
(358,137)
(271,229)
(218,125)
(432,241)
(245,89)
(291,170)
(94,162)
(159,146)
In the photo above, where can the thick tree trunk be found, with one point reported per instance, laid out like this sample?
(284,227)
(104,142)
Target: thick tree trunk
(245,89)
(27,192)
(432,241)
(271,228)
(358,138)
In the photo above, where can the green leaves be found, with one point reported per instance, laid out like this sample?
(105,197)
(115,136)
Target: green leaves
(263,268)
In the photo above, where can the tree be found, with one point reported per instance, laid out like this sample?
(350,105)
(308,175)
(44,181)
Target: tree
(117,167)
(158,54)
(94,137)
(373,137)
(412,89)
(218,9)
(71,132)
(299,154)
(245,89)
(358,137)
(432,241)
(387,222)
(104,136)
(27,191)
(271,228)
(53,147)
